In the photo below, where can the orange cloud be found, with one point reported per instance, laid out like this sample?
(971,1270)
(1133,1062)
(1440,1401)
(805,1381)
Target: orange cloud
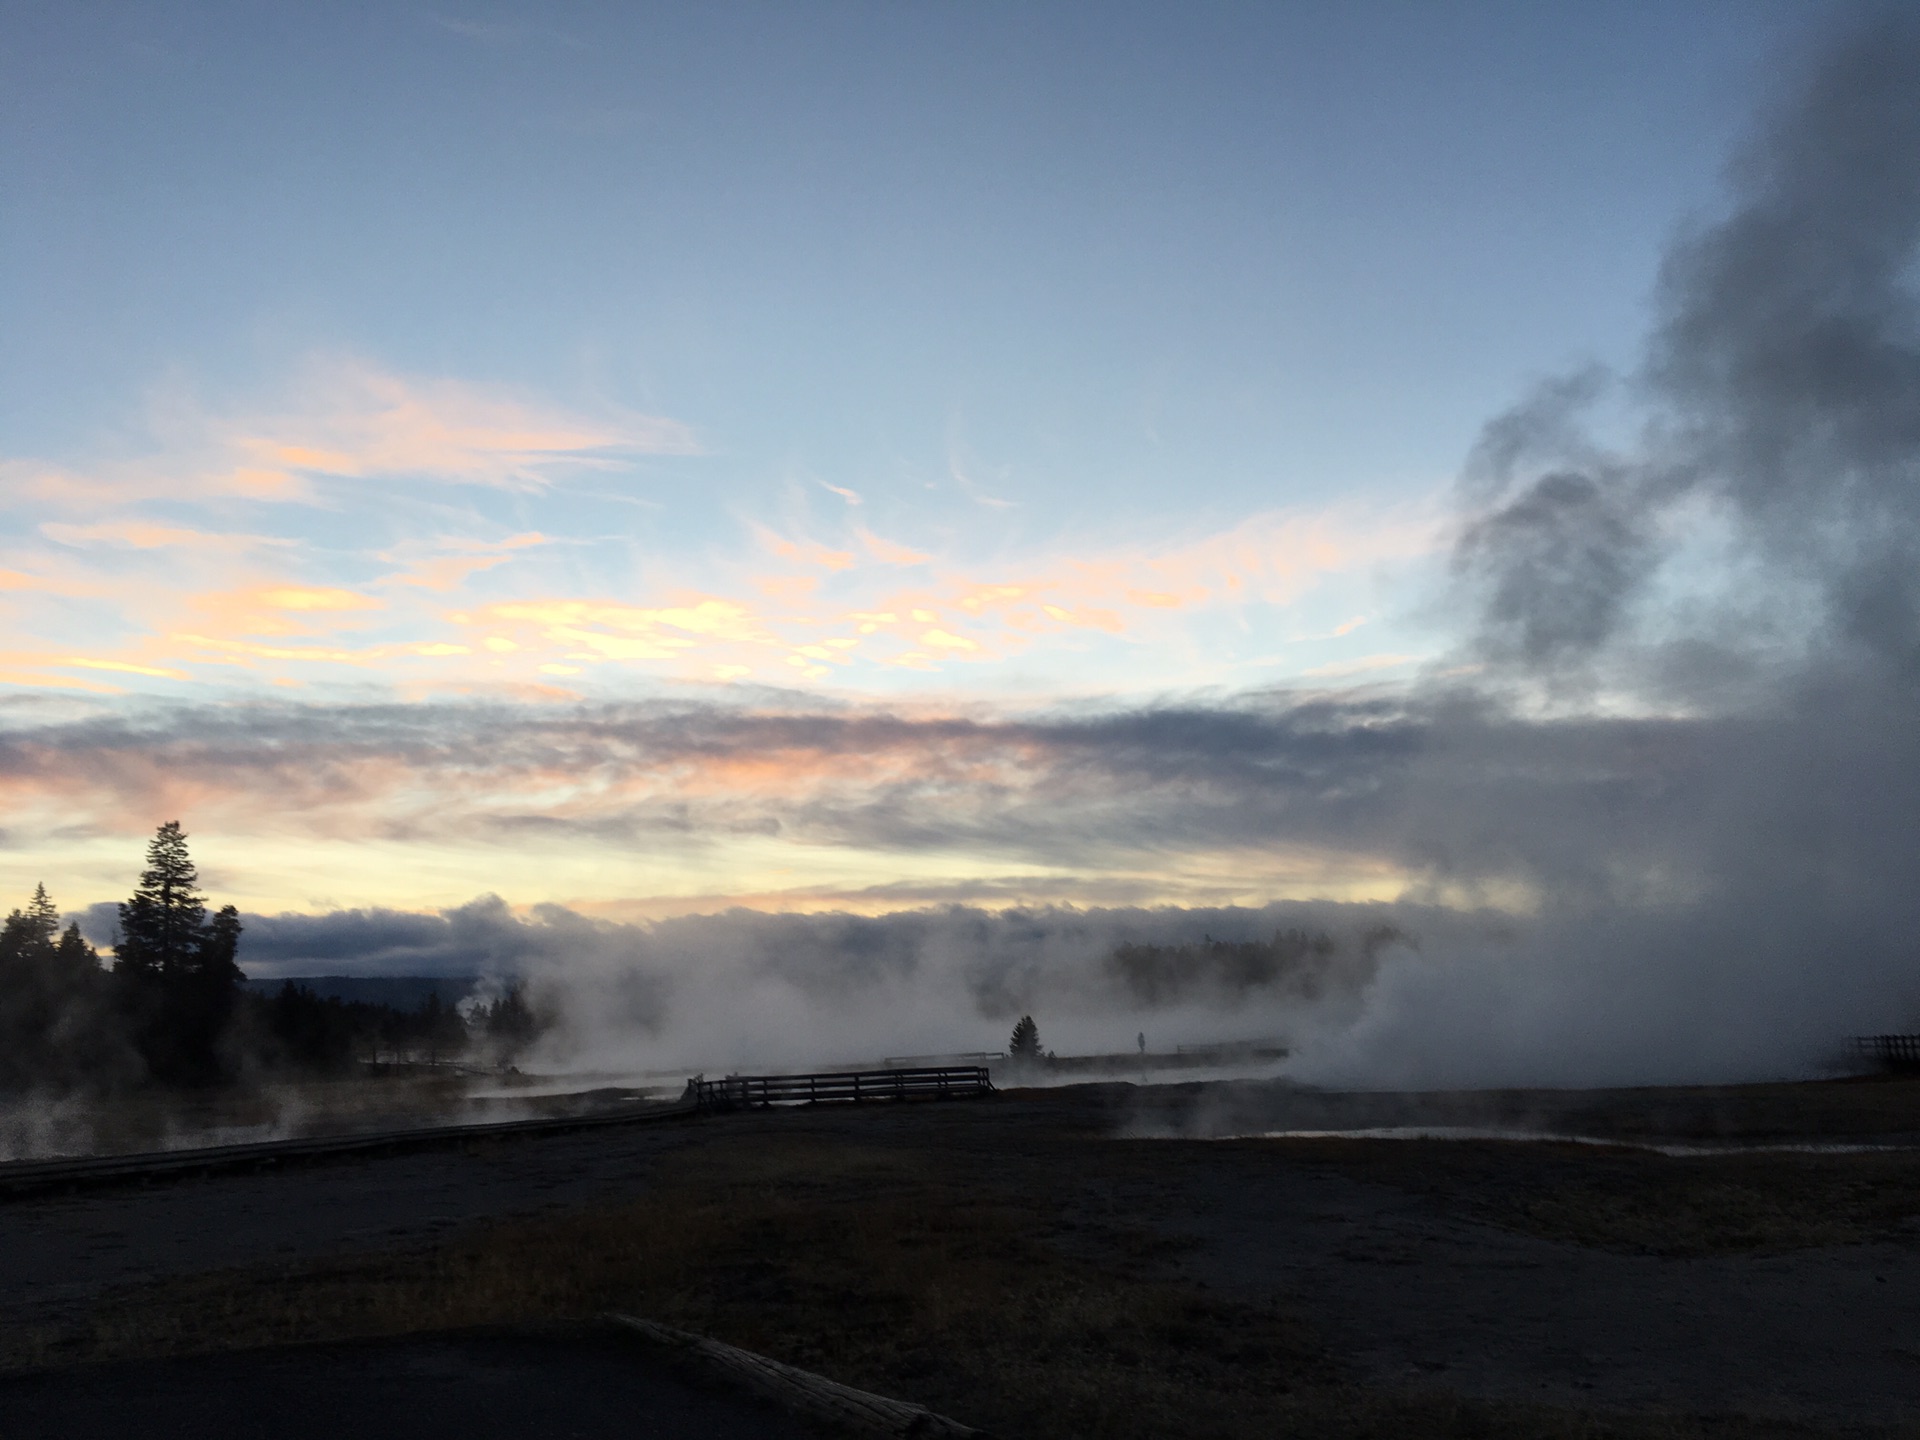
(346,420)
(458,561)
(888,553)
(800,608)
(273,652)
(126,667)
(944,640)
(358,422)
(295,597)
(279,609)
(807,552)
(129,535)
(33,678)
(448,572)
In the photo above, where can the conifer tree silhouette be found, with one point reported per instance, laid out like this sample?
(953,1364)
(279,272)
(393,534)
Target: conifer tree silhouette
(51,1000)
(1025,1044)
(178,972)
(160,927)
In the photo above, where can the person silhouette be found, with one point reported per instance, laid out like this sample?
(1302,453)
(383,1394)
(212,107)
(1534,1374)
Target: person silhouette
(1142,1039)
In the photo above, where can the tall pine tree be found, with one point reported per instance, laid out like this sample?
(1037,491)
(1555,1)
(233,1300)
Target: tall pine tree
(1024,1046)
(160,927)
(177,969)
(43,916)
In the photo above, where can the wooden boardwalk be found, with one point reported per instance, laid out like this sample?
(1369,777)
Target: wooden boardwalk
(937,1082)
(21,1177)
(952,1082)
(1889,1052)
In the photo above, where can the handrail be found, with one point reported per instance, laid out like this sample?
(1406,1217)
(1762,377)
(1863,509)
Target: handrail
(933,1082)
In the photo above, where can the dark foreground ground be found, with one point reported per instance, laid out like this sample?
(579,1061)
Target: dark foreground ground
(584,1385)
(1074,1262)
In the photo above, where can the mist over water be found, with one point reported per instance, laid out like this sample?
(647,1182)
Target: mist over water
(749,990)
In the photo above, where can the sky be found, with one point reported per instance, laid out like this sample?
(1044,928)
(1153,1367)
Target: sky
(657,460)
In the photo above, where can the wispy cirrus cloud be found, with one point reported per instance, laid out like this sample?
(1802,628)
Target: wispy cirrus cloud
(801,610)
(139,534)
(358,422)
(345,420)
(134,563)
(446,563)
(821,610)
(424,586)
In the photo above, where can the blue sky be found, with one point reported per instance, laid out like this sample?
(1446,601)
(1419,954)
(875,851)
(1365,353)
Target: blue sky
(1246,251)
(932,355)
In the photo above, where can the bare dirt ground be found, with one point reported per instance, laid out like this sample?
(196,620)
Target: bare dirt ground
(1096,1261)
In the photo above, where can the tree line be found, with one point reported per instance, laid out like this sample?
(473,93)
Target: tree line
(173,1008)
(329,1035)
(1301,964)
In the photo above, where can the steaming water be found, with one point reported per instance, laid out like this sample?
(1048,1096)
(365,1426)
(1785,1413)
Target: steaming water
(66,1129)
(1149,1075)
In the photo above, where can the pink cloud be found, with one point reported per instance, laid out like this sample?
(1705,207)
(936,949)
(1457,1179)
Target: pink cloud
(126,667)
(356,421)
(348,420)
(458,561)
(888,553)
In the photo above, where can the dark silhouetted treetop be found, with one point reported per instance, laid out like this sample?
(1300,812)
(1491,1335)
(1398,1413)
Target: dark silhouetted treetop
(510,1018)
(176,971)
(1303,963)
(160,926)
(1025,1044)
(53,1028)
(75,955)
(33,951)
(220,948)
(28,934)
(42,914)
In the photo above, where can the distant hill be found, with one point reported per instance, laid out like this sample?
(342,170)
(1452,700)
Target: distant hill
(403,992)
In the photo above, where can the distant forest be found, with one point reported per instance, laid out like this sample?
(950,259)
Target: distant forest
(1298,963)
(174,1009)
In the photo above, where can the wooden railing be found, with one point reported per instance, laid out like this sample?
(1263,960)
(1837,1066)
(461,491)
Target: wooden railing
(1889,1052)
(944,1082)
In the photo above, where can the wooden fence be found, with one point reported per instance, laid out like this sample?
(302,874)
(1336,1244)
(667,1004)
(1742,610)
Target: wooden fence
(1889,1052)
(944,1082)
